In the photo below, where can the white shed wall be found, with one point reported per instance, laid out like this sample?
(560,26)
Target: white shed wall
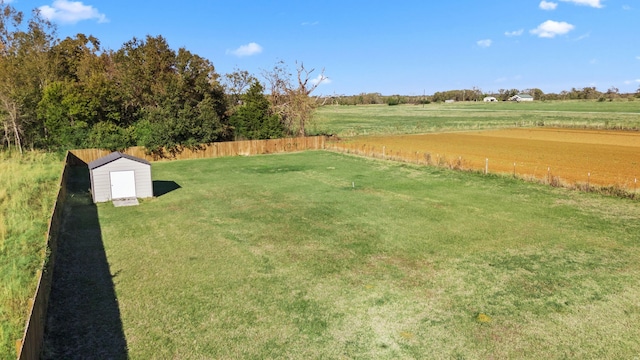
(101,183)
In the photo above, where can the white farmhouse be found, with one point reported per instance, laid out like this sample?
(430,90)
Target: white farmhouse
(521,97)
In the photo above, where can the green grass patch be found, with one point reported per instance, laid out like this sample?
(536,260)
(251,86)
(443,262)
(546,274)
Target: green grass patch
(28,186)
(411,119)
(322,255)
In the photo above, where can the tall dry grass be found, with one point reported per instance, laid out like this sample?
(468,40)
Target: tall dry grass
(28,185)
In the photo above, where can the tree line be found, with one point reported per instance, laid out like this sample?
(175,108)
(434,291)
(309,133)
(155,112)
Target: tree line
(476,94)
(72,93)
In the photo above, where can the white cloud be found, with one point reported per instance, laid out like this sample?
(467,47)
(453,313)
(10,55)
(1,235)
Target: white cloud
(629,82)
(547,5)
(592,3)
(484,43)
(310,23)
(320,79)
(637,57)
(626,7)
(246,50)
(550,28)
(514,33)
(70,12)
(584,36)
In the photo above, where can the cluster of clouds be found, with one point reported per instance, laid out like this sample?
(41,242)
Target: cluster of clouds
(71,12)
(550,28)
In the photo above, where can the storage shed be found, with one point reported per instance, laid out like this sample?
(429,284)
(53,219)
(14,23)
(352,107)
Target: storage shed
(120,176)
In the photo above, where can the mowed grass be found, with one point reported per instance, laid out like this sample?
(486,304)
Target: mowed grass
(412,119)
(28,185)
(322,255)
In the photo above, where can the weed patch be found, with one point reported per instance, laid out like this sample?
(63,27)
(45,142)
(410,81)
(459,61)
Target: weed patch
(28,186)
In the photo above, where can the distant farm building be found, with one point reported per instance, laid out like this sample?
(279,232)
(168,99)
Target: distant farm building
(521,97)
(489,99)
(449,101)
(120,176)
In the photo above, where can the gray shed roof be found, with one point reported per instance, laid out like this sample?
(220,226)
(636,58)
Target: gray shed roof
(113,157)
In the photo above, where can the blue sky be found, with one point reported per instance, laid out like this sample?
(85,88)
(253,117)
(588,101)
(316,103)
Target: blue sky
(391,47)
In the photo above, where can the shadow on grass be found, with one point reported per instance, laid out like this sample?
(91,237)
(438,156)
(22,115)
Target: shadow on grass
(83,318)
(161,187)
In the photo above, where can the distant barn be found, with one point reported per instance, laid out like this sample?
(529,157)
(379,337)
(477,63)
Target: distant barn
(489,99)
(120,176)
(521,97)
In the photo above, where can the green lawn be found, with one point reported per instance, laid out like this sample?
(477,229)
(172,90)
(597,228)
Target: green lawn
(322,255)
(408,119)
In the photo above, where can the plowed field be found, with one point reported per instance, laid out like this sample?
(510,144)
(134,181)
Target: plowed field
(567,155)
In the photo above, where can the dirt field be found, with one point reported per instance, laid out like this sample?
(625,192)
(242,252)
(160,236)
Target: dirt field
(571,156)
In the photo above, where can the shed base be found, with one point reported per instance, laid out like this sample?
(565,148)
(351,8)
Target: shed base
(125,202)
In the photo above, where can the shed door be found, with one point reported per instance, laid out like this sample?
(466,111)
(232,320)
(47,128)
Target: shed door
(123,184)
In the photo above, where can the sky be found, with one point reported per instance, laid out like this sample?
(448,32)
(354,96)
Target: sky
(406,47)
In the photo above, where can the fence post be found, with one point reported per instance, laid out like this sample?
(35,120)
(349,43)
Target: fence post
(486,166)
(549,175)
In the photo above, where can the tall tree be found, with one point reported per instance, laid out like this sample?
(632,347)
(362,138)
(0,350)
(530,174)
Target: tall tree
(253,119)
(235,84)
(23,72)
(173,99)
(80,96)
(290,97)
(143,70)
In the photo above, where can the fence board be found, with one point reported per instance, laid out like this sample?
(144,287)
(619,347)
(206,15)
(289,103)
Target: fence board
(213,150)
(30,346)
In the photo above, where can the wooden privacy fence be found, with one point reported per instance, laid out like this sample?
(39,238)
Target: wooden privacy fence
(30,346)
(213,150)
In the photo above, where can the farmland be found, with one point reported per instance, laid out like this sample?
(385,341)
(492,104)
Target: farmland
(319,254)
(346,121)
(566,156)
(545,141)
